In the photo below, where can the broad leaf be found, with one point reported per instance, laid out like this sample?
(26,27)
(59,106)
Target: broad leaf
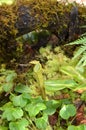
(19,100)
(73,73)
(81,86)
(51,105)
(12,113)
(18,125)
(11,77)
(56,85)
(42,122)
(80,127)
(8,86)
(7,105)
(67,111)
(21,88)
(33,109)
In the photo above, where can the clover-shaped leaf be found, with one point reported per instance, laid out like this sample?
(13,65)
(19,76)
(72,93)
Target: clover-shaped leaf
(67,111)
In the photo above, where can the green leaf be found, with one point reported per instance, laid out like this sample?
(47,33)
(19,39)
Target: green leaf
(51,105)
(72,127)
(32,105)
(34,108)
(8,86)
(18,125)
(21,88)
(17,113)
(56,85)
(67,111)
(7,105)
(80,127)
(73,73)
(26,96)
(33,36)
(42,122)
(81,86)
(81,50)
(19,100)
(12,113)
(11,77)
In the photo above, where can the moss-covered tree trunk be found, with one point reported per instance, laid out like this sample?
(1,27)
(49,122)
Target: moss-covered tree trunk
(25,16)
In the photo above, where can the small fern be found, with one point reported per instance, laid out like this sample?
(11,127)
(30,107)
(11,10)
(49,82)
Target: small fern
(82,61)
(81,40)
(81,52)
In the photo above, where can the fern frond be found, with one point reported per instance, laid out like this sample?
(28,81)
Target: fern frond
(81,40)
(81,50)
(84,26)
(83,35)
(82,61)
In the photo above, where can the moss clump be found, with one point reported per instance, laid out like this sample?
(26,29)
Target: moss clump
(24,16)
(47,14)
(7,22)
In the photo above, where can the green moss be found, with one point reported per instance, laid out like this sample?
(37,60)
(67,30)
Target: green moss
(45,14)
(7,22)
